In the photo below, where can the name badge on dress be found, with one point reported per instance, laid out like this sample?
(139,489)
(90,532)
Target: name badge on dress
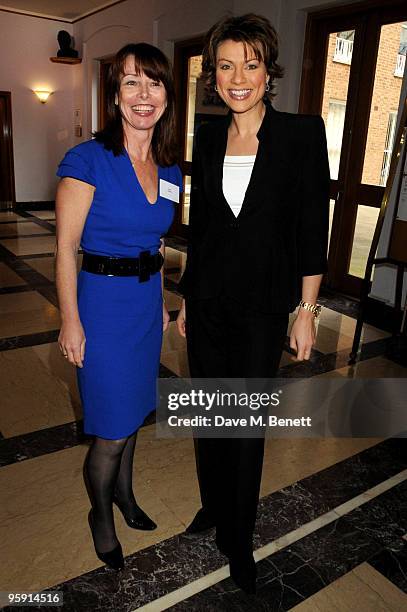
(169,190)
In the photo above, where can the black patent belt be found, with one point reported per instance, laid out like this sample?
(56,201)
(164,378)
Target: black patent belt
(142,266)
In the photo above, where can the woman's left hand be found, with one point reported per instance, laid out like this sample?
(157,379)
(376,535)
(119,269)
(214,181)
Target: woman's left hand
(303,334)
(166,318)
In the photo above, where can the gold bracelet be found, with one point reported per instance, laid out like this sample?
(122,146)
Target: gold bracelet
(314,308)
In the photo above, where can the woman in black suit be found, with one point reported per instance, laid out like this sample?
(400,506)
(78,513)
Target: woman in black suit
(257,249)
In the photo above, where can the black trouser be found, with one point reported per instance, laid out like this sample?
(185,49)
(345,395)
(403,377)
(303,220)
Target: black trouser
(224,340)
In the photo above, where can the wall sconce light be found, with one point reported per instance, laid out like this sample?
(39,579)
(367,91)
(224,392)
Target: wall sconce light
(42,95)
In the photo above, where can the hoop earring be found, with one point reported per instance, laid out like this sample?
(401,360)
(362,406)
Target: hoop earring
(116,100)
(215,88)
(267,86)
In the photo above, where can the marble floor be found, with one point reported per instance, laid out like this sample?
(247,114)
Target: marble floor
(331,533)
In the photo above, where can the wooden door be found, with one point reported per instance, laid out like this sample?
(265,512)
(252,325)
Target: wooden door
(7,189)
(352,74)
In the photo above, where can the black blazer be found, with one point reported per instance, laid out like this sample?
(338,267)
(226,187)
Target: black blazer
(281,232)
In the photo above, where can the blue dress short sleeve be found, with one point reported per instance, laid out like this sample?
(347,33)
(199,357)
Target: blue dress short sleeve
(77,164)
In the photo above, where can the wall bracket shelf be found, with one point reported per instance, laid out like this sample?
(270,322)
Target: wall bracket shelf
(66,60)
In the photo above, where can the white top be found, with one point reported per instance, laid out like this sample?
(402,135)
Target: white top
(237,170)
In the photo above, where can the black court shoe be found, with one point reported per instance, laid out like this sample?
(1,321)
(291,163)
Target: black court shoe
(202,522)
(140,521)
(243,572)
(112,558)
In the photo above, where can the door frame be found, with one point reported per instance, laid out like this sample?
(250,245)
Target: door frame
(8,139)
(347,190)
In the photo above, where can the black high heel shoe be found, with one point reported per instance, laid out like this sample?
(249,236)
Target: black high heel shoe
(142,521)
(112,558)
(202,522)
(243,572)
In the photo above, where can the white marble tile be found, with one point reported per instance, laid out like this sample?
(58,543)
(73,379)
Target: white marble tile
(26,313)
(43,214)
(12,229)
(9,278)
(30,246)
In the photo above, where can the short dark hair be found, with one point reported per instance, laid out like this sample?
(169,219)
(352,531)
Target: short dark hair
(253,31)
(155,65)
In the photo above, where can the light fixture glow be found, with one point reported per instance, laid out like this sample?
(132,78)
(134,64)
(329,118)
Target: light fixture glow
(42,95)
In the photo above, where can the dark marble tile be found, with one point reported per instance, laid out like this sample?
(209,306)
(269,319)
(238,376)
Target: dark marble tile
(15,289)
(148,574)
(38,255)
(291,575)
(340,303)
(14,342)
(320,363)
(165,372)
(176,242)
(24,236)
(173,315)
(9,221)
(354,475)
(24,208)
(283,511)
(393,565)
(171,285)
(41,442)
(384,518)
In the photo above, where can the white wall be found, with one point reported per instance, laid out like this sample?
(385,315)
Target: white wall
(41,132)
(158,22)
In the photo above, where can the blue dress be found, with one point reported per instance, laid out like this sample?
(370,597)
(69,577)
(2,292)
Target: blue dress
(121,317)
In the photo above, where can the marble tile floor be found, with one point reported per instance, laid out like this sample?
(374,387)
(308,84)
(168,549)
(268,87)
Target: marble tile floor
(356,555)
(307,549)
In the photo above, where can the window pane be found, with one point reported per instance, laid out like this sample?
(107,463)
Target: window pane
(385,100)
(362,239)
(339,58)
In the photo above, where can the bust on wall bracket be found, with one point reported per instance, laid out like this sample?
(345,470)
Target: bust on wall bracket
(66,54)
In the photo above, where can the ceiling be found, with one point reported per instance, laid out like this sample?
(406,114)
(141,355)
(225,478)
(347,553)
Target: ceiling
(67,10)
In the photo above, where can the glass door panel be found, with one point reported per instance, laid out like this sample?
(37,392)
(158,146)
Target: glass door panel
(391,59)
(335,93)
(366,220)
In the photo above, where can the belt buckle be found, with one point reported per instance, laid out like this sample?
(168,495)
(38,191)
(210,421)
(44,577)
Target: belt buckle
(144,266)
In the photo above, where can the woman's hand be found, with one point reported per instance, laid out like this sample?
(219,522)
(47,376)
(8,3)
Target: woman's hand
(166,318)
(181,319)
(303,334)
(72,342)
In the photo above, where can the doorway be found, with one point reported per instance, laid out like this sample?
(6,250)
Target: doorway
(7,185)
(353,68)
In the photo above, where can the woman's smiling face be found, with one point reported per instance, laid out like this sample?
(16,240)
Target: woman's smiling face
(142,100)
(241,78)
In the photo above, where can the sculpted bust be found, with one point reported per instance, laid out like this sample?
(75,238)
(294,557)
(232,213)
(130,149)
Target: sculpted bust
(65,41)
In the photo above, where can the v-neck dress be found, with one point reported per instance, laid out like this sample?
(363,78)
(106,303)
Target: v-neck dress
(121,317)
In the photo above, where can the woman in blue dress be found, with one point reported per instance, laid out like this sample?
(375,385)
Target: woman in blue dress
(116,200)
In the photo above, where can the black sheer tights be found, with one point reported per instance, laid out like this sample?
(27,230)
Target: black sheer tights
(108,474)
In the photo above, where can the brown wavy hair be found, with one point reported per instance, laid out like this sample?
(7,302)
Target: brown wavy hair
(155,65)
(255,32)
